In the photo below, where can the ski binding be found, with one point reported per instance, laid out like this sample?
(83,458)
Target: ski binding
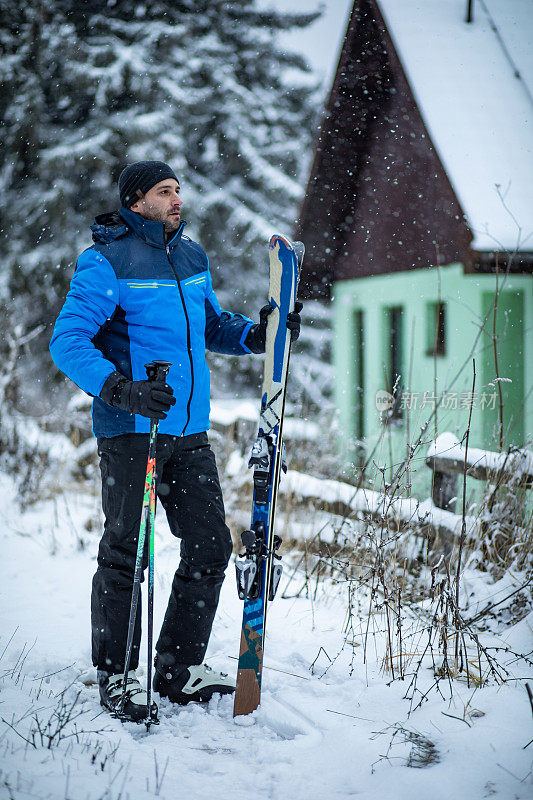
(248,566)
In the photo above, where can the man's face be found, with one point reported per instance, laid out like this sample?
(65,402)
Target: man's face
(161,203)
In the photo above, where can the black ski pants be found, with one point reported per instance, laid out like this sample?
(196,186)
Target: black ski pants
(188,488)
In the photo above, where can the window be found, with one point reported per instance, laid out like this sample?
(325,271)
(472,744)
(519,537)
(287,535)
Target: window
(359,374)
(394,357)
(436,329)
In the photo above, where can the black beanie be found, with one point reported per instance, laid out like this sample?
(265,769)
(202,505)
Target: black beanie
(141,175)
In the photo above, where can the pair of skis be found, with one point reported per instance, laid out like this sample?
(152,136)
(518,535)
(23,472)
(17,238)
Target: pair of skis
(258,568)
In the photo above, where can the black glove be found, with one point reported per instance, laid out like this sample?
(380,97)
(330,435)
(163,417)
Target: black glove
(256,336)
(294,320)
(148,398)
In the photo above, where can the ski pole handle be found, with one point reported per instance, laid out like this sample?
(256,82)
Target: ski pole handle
(157,370)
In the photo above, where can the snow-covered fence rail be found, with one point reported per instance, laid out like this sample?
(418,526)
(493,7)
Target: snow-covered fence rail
(398,512)
(446,458)
(346,500)
(237,422)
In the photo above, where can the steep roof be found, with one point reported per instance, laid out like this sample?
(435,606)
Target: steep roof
(426,141)
(473,84)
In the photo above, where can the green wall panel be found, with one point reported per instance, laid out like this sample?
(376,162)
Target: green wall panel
(467,300)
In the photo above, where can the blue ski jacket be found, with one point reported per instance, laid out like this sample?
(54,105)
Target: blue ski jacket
(134,298)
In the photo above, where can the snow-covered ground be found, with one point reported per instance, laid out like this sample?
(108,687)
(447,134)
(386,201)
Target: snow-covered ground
(336,730)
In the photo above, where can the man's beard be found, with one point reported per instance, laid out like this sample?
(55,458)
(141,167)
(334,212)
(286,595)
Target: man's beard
(170,223)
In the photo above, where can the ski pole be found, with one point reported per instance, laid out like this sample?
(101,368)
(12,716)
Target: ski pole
(156,370)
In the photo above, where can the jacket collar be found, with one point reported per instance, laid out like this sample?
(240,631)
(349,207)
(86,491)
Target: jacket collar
(108,227)
(151,232)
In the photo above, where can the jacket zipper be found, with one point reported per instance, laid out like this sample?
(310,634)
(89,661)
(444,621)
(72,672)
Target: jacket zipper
(189,348)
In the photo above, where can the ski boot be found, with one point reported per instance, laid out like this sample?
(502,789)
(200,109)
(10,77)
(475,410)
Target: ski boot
(135,705)
(195,684)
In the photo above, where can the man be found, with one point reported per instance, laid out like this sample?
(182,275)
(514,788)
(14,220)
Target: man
(141,292)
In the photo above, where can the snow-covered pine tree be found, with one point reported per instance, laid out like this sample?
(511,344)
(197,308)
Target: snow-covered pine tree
(89,85)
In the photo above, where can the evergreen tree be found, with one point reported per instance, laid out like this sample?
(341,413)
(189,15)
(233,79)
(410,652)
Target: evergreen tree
(87,86)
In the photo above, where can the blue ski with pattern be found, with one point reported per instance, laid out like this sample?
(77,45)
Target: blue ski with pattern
(258,568)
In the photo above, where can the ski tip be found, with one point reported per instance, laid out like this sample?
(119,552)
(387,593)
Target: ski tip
(277,237)
(298,248)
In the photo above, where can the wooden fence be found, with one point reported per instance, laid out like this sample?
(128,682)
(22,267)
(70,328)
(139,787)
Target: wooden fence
(446,457)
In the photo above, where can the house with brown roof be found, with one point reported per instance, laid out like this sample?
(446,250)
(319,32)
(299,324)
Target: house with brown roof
(418,220)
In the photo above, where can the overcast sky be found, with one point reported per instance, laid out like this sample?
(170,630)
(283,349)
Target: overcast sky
(321,42)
